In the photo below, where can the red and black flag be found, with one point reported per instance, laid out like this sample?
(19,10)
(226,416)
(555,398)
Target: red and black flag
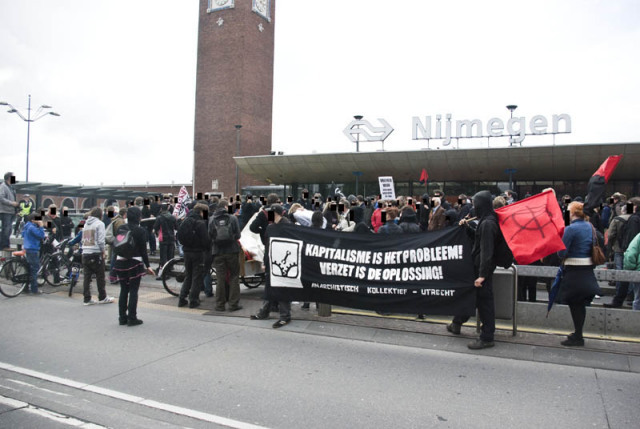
(596,186)
(532,227)
(424,177)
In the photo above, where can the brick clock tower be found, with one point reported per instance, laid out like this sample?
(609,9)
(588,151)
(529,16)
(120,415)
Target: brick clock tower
(234,86)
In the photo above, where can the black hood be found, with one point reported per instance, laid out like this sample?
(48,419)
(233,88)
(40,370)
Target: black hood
(483,204)
(134,215)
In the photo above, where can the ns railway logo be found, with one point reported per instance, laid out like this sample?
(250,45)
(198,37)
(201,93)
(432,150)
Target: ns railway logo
(444,128)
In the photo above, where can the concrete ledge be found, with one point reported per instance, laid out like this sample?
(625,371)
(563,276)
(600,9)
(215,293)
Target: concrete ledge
(600,321)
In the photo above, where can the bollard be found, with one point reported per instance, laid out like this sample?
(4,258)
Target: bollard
(324,310)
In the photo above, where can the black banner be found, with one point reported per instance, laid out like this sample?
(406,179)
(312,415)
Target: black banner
(427,273)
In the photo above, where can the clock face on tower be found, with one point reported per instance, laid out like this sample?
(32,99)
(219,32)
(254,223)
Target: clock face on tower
(215,5)
(262,8)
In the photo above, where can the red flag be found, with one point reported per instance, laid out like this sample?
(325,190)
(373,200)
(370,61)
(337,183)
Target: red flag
(607,167)
(532,227)
(424,176)
(597,182)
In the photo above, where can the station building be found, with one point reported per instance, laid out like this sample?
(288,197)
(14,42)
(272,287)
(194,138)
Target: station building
(565,168)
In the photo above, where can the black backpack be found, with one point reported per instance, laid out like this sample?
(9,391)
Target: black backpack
(501,253)
(224,233)
(187,232)
(123,242)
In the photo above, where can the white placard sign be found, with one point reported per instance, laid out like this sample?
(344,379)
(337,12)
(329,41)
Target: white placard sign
(387,190)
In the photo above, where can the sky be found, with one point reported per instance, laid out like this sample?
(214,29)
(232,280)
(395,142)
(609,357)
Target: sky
(121,74)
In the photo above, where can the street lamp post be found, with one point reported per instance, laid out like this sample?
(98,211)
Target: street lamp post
(357,118)
(39,114)
(511,108)
(237,154)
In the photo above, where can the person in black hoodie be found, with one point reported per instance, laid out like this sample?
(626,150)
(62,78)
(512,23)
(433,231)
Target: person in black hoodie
(129,271)
(165,227)
(485,237)
(194,244)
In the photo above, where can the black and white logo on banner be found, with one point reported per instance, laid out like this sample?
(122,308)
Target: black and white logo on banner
(284,258)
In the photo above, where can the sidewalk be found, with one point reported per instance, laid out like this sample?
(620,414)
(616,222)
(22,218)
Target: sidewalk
(406,330)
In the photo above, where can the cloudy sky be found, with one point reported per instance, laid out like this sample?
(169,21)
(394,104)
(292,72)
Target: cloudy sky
(122,75)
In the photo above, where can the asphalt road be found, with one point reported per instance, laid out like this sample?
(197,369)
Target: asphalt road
(63,364)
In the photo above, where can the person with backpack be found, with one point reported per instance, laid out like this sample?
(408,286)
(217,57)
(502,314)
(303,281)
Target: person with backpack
(131,263)
(194,238)
(224,233)
(165,227)
(486,235)
(632,262)
(93,253)
(617,230)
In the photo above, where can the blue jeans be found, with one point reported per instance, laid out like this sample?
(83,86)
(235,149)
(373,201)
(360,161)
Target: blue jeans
(7,226)
(34,265)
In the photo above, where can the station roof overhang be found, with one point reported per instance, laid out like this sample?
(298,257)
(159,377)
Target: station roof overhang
(565,162)
(79,191)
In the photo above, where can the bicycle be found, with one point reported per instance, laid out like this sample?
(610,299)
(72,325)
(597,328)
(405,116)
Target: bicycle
(52,265)
(14,275)
(173,275)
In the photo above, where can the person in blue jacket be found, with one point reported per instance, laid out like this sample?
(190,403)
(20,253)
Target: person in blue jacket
(33,234)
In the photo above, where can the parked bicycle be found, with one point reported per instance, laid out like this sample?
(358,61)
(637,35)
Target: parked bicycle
(55,269)
(173,275)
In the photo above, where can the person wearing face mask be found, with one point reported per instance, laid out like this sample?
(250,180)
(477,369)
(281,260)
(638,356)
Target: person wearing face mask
(485,238)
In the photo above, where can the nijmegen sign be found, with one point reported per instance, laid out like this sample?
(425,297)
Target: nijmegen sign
(495,127)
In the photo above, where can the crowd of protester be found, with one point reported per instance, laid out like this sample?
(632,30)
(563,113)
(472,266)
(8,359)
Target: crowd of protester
(210,232)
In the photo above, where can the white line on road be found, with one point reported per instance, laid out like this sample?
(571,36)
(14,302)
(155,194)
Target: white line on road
(47,414)
(198,415)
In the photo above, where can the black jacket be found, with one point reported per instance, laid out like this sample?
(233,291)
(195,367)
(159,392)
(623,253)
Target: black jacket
(168,224)
(486,234)
(203,243)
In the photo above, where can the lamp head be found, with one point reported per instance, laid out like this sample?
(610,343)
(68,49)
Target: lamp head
(54,113)
(358,117)
(3,103)
(11,111)
(45,106)
(512,107)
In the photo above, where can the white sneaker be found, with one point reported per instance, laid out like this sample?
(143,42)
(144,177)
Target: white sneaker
(91,302)
(107,300)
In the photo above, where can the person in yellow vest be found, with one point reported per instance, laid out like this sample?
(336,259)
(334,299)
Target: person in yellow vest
(25,207)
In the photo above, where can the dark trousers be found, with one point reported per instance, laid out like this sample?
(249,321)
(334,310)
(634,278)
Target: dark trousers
(152,241)
(7,224)
(223,263)
(578,315)
(527,286)
(93,263)
(128,301)
(486,310)
(167,251)
(622,288)
(194,273)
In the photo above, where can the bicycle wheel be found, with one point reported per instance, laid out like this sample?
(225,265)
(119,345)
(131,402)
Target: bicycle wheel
(55,271)
(76,268)
(173,275)
(14,277)
(253,282)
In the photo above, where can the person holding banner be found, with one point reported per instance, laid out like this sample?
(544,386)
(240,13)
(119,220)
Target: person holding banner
(485,237)
(284,307)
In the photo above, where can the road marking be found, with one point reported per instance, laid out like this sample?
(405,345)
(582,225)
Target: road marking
(36,387)
(56,417)
(198,415)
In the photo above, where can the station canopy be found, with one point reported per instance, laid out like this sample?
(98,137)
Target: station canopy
(35,188)
(561,162)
